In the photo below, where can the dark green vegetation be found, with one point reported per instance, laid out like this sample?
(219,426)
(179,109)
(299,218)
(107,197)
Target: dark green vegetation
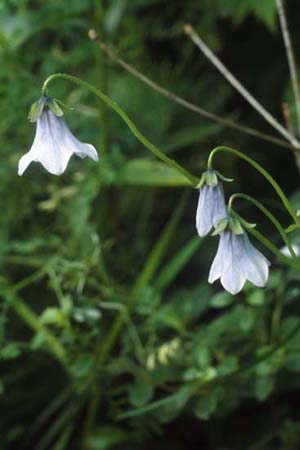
(125,345)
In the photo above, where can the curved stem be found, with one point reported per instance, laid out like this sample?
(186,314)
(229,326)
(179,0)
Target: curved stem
(113,105)
(262,171)
(270,216)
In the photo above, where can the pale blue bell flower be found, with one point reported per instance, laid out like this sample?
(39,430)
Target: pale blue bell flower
(236,261)
(211,207)
(54,144)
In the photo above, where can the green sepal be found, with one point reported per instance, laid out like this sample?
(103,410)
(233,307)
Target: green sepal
(298,213)
(63,105)
(55,108)
(219,175)
(211,178)
(221,226)
(235,226)
(36,109)
(248,224)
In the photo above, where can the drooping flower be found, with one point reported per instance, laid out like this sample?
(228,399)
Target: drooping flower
(211,205)
(54,144)
(237,260)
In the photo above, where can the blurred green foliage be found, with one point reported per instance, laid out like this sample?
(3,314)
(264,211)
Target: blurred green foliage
(110,336)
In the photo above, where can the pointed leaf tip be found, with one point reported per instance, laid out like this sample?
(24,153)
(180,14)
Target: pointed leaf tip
(55,108)
(223,178)
(36,110)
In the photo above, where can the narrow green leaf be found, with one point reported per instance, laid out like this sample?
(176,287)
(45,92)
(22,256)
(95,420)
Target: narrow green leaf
(173,268)
(145,172)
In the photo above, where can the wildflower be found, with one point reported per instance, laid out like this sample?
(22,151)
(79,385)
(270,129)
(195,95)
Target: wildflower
(237,260)
(211,205)
(54,144)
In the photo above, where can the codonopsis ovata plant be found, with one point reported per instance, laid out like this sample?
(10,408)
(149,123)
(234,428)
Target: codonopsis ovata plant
(237,260)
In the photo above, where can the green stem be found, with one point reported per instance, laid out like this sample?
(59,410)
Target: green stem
(270,216)
(262,171)
(113,105)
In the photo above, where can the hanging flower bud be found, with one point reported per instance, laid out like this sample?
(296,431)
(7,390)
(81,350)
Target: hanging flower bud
(211,205)
(54,144)
(237,260)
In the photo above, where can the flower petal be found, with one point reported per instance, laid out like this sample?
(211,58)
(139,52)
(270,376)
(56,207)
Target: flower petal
(81,149)
(204,211)
(219,208)
(24,162)
(232,278)
(49,143)
(254,265)
(220,260)
(54,160)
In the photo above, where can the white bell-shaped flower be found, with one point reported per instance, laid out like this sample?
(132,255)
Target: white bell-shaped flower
(54,144)
(211,205)
(236,261)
